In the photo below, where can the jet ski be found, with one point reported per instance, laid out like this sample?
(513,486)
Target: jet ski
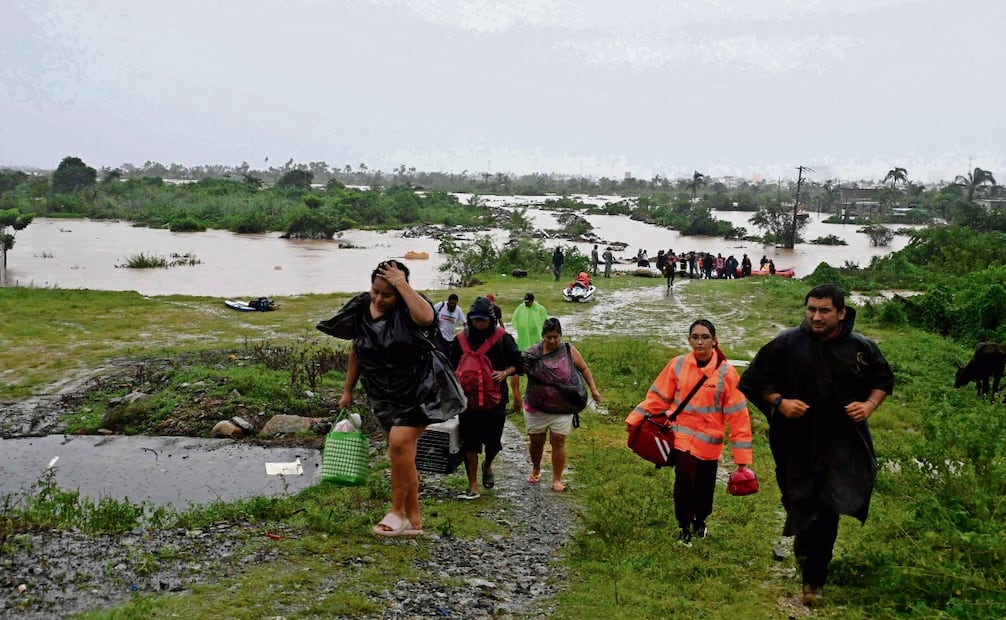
(579,289)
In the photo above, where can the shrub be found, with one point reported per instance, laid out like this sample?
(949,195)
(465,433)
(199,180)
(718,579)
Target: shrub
(829,240)
(306,223)
(826,274)
(249,222)
(145,261)
(187,223)
(892,313)
(523,253)
(575,261)
(880,235)
(933,311)
(464,260)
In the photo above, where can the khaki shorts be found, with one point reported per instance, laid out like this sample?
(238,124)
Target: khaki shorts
(537,423)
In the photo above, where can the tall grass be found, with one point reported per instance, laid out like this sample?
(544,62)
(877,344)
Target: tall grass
(45,505)
(145,261)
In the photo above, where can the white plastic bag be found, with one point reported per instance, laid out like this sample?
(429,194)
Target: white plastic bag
(350,424)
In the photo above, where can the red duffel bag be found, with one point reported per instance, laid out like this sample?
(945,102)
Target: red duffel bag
(742,482)
(653,440)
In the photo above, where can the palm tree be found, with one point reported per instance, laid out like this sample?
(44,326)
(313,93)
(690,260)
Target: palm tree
(974,180)
(698,180)
(896,175)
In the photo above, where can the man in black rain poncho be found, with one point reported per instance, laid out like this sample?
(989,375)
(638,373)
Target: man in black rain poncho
(817,384)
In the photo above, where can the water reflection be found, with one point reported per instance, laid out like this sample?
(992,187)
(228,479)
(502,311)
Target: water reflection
(84,254)
(177,471)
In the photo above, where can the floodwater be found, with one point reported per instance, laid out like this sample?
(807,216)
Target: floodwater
(87,254)
(175,471)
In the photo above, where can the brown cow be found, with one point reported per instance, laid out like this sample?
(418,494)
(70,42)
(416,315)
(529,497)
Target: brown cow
(989,360)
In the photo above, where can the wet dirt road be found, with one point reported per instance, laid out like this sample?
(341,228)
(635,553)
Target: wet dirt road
(655,314)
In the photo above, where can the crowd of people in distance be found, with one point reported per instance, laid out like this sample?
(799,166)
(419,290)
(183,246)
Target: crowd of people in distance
(691,264)
(703,265)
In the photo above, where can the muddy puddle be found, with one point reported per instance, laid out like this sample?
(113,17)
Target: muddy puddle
(163,471)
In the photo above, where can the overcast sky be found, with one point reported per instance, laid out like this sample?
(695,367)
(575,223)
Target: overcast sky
(750,88)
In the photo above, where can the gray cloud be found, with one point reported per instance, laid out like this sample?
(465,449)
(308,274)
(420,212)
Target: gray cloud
(754,88)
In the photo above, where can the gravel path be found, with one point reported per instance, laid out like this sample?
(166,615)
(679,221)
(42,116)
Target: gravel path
(498,576)
(501,576)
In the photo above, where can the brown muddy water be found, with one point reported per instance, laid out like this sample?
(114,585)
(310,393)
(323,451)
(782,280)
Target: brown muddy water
(89,254)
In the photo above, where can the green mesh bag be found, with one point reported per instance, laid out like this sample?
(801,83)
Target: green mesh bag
(346,459)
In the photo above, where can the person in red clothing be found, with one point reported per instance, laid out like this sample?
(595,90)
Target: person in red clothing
(700,427)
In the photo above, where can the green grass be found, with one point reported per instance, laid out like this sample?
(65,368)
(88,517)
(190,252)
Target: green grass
(145,261)
(934,547)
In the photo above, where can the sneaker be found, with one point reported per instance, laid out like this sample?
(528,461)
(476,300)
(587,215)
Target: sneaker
(686,537)
(813,596)
(699,529)
(469,495)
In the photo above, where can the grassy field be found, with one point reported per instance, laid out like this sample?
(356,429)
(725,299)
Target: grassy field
(934,546)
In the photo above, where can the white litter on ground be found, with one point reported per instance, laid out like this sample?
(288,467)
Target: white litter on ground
(284,469)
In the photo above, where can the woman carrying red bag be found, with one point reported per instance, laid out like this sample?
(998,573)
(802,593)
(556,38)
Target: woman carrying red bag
(700,427)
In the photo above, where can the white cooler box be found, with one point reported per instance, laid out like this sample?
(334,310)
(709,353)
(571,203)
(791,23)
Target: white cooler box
(439,448)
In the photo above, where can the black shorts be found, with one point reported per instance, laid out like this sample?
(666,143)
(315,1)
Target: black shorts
(482,428)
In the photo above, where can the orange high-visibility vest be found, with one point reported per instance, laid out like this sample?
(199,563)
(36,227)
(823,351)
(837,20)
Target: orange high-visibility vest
(700,427)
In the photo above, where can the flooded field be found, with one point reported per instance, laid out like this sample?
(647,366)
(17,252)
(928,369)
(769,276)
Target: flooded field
(654,314)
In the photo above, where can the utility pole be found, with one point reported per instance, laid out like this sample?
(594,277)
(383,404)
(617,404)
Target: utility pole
(791,242)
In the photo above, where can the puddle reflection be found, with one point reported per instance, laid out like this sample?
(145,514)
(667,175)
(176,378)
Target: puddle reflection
(164,471)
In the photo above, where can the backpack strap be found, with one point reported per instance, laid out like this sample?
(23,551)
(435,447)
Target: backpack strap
(490,341)
(462,339)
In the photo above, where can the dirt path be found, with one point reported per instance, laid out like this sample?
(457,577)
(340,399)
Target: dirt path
(510,575)
(39,414)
